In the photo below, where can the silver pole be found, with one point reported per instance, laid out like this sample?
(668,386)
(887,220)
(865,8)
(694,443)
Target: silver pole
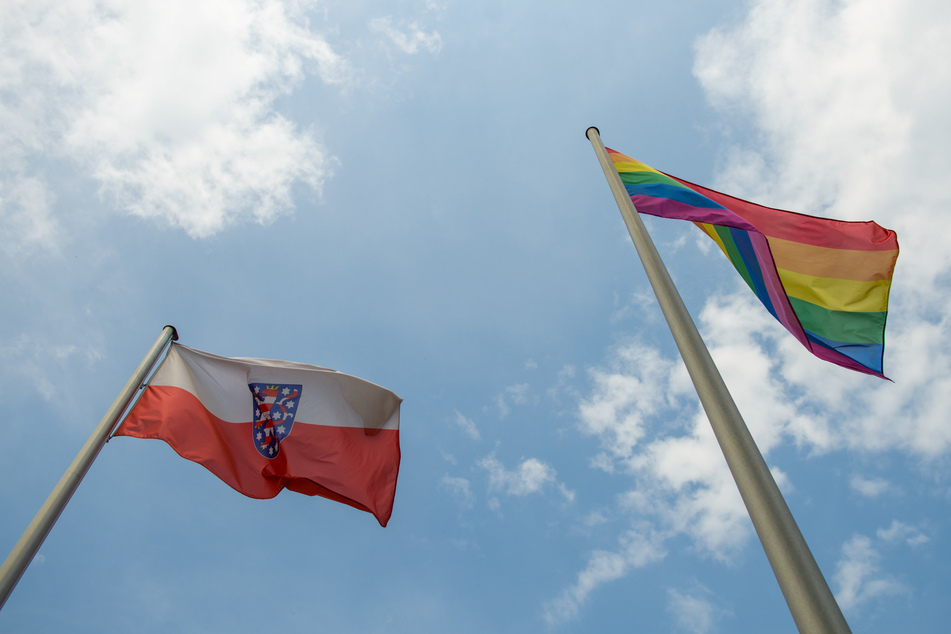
(34,535)
(807,594)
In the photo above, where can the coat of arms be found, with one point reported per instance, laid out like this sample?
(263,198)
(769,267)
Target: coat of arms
(275,406)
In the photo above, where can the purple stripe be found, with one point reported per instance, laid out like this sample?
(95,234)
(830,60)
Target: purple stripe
(667,208)
(827,354)
(784,310)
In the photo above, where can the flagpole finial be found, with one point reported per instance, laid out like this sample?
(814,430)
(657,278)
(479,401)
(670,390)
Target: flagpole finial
(174,331)
(590,128)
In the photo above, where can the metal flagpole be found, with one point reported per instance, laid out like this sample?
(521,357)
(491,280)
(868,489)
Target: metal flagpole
(807,594)
(34,535)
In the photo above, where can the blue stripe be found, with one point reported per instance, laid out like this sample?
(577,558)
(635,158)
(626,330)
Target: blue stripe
(868,354)
(673,192)
(743,244)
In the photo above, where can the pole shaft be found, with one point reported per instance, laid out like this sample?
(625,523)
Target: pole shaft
(807,594)
(34,535)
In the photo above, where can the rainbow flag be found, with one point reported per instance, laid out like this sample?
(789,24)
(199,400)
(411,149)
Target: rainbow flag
(826,281)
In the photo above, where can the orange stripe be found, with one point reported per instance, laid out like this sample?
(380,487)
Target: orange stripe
(842,264)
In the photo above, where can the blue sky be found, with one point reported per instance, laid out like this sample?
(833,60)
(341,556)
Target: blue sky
(403,192)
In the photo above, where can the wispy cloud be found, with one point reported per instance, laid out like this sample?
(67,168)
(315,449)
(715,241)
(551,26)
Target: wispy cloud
(467,425)
(870,487)
(512,395)
(693,612)
(44,363)
(624,396)
(25,211)
(637,549)
(858,575)
(901,532)
(407,36)
(530,476)
(459,489)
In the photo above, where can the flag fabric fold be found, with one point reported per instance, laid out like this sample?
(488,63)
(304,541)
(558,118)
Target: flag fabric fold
(262,426)
(826,281)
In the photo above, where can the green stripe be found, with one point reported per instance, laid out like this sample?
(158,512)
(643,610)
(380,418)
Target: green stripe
(648,178)
(734,254)
(840,325)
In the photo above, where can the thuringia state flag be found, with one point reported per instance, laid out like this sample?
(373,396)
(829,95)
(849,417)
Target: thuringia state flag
(263,426)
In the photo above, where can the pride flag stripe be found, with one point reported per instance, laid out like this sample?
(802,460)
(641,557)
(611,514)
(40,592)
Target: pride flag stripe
(836,294)
(789,225)
(864,355)
(827,281)
(807,259)
(840,326)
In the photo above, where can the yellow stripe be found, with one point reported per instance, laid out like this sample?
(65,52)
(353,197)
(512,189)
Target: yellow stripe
(837,294)
(626,164)
(708,229)
(843,264)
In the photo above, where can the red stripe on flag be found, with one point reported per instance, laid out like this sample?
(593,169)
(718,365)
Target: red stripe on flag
(355,466)
(789,225)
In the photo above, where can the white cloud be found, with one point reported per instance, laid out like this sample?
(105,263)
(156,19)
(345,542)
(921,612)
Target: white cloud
(692,612)
(566,493)
(25,213)
(530,476)
(595,518)
(636,303)
(448,457)
(459,489)
(602,567)
(811,73)
(870,487)
(467,425)
(858,576)
(169,106)
(514,394)
(683,484)
(565,375)
(36,360)
(624,396)
(703,504)
(638,548)
(899,531)
(683,481)
(407,36)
